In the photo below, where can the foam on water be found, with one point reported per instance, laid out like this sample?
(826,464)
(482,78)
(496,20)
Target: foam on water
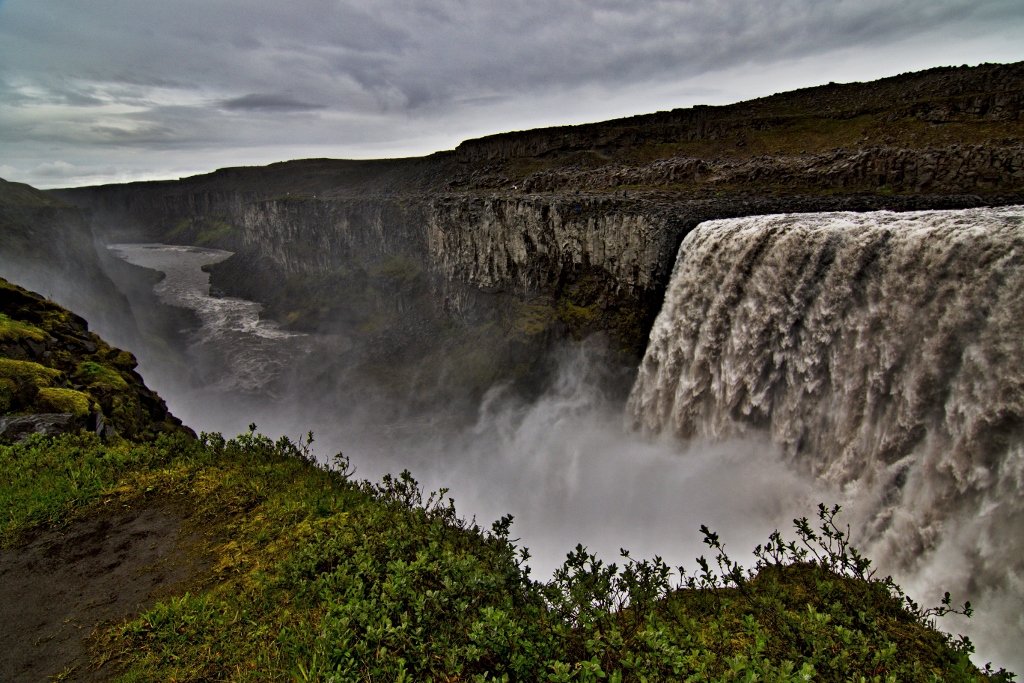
(233,348)
(883,354)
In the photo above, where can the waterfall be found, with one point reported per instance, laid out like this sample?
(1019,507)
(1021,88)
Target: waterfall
(883,353)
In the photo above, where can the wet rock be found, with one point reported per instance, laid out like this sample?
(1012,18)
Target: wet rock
(20,427)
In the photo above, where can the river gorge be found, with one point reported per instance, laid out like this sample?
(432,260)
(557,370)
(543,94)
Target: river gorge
(867,359)
(618,331)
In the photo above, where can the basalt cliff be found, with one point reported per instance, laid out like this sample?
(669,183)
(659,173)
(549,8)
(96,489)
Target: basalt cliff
(526,238)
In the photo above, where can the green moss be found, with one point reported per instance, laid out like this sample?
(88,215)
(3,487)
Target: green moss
(27,371)
(122,360)
(93,374)
(101,376)
(54,400)
(15,330)
(578,318)
(530,320)
(180,228)
(9,391)
(627,324)
(214,231)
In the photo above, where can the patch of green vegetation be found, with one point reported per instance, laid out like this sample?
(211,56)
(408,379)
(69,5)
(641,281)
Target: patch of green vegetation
(579,319)
(627,325)
(12,396)
(27,371)
(93,374)
(16,330)
(20,384)
(214,230)
(22,195)
(64,352)
(180,228)
(530,320)
(319,577)
(57,400)
(398,268)
(48,482)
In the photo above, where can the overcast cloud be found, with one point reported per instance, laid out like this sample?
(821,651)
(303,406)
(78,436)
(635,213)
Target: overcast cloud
(112,90)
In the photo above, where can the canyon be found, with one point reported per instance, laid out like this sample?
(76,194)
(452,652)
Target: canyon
(825,280)
(529,238)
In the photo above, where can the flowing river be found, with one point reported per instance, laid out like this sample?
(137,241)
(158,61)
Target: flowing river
(235,350)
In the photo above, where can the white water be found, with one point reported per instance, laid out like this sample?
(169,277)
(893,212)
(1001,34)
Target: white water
(234,350)
(884,354)
(775,331)
(562,465)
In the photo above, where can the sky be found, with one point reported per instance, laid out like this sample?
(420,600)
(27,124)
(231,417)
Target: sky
(117,90)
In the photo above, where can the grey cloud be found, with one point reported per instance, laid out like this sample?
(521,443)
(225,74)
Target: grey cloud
(118,74)
(62,170)
(57,169)
(267,102)
(453,48)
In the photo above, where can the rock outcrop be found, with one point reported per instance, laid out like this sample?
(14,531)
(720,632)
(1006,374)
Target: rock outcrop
(56,376)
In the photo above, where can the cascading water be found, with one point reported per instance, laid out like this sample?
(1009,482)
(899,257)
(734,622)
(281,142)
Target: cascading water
(879,351)
(883,353)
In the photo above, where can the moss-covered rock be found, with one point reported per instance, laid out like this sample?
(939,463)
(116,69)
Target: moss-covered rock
(51,363)
(57,400)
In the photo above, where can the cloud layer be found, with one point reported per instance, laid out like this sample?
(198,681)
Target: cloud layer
(158,88)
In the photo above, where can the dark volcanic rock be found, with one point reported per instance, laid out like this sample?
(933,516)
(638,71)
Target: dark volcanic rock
(19,427)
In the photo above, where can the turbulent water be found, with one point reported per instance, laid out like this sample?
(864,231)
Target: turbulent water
(875,360)
(232,348)
(561,464)
(884,354)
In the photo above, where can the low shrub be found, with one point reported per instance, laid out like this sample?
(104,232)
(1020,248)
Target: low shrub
(317,576)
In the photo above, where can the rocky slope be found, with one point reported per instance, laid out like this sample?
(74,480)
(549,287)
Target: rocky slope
(562,232)
(56,376)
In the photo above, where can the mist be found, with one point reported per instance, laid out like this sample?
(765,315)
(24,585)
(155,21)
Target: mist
(563,461)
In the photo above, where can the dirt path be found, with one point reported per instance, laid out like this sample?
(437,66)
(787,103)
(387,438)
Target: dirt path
(56,589)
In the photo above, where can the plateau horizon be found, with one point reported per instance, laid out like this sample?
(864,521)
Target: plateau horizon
(212,89)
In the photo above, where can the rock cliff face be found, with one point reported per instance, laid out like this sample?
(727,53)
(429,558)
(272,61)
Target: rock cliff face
(47,245)
(542,235)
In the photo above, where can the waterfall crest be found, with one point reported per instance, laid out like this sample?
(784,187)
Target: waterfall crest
(882,352)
